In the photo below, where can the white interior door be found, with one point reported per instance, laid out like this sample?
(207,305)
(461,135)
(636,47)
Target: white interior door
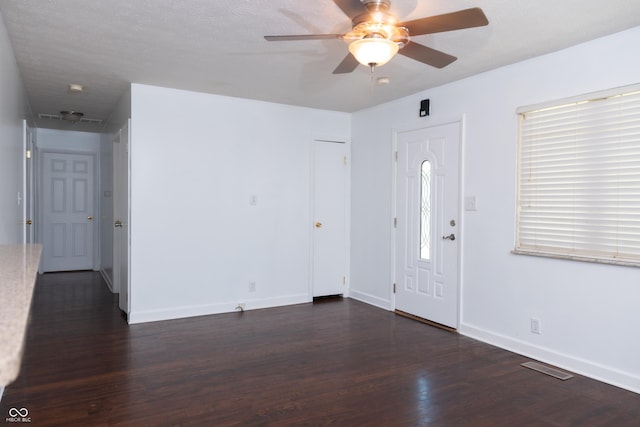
(329,252)
(427,212)
(121,218)
(67,211)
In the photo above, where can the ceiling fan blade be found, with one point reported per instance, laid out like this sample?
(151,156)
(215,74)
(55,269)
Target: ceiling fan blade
(467,18)
(351,8)
(427,55)
(348,64)
(304,37)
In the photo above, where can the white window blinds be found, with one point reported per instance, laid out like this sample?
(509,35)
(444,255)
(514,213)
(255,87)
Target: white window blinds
(579,178)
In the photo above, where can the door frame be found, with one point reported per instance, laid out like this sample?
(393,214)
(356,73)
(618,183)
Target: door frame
(347,208)
(28,175)
(96,199)
(460,120)
(123,139)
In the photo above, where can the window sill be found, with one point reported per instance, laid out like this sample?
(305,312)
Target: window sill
(577,258)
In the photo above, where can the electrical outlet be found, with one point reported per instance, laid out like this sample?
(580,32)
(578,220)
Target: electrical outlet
(252,286)
(535,326)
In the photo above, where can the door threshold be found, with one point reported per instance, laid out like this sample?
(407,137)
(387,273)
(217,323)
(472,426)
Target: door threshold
(426,321)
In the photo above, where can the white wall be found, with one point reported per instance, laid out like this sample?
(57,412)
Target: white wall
(13,109)
(196,242)
(67,140)
(589,312)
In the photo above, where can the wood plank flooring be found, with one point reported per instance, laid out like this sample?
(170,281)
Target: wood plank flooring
(338,363)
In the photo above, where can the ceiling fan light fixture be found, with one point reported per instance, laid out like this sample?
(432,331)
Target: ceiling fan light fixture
(373,51)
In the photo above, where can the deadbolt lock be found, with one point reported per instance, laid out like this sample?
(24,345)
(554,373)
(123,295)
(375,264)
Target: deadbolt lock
(452,223)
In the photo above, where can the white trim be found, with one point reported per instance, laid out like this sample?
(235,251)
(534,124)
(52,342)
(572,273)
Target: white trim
(107,279)
(550,254)
(23,208)
(461,214)
(208,309)
(578,98)
(394,215)
(371,300)
(575,364)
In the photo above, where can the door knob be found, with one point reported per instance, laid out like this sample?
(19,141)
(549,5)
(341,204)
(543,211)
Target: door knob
(29,222)
(117,224)
(449,237)
(90,218)
(318,224)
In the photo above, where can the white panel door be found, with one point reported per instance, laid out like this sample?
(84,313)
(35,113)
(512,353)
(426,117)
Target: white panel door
(67,211)
(427,219)
(121,218)
(329,251)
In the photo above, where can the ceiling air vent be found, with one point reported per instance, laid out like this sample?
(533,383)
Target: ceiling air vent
(70,116)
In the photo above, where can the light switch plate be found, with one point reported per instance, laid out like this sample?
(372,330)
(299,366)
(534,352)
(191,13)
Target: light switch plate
(470,203)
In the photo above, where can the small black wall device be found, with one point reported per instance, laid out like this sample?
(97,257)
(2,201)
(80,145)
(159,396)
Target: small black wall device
(424,108)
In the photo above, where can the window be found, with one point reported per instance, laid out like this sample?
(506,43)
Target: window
(425,210)
(579,178)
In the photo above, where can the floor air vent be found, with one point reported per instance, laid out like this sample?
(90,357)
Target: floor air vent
(556,373)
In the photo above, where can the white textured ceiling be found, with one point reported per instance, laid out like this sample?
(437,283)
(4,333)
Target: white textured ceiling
(216,46)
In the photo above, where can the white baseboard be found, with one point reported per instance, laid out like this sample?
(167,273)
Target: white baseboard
(578,365)
(370,299)
(107,279)
(207,309)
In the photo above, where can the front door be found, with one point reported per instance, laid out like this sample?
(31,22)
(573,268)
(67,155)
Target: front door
(329,251)
(427,226)
(67,211)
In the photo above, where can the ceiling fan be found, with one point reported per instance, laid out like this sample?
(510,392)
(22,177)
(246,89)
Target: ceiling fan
(376,35)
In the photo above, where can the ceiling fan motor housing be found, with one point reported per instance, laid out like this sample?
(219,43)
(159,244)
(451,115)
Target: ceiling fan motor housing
(372,5)
(377,22)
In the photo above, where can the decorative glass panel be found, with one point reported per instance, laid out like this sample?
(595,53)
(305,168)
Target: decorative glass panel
(425,211)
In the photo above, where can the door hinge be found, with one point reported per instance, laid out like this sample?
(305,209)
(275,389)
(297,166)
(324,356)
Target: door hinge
(394,288)
(395,155)
(395,222)
(28,154)
(344,280)
(345,160)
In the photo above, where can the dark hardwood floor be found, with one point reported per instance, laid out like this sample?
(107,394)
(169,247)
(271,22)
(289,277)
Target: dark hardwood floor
(339,363)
